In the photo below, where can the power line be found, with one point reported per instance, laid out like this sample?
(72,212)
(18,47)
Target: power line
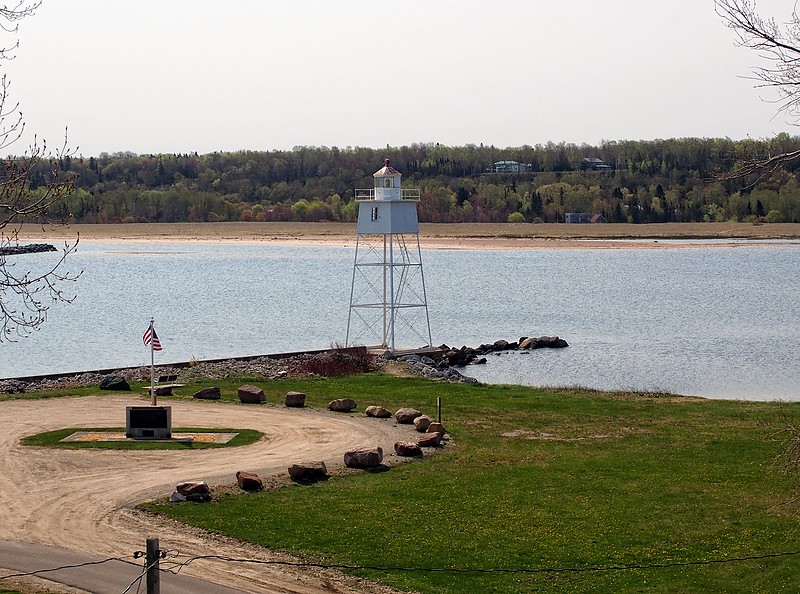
(385,568)
(75,566)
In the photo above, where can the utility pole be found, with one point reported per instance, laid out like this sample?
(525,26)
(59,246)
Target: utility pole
(151,563)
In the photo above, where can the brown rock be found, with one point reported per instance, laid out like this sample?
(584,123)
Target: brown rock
(526,343)
(422,422)
(407,448)
(295,399)
(377,412)
(429,440)
(363,457)
(308,471)
(435,427)
(189,488)
(207,394)
(251,395)
(342,405)
(249,481)
(406,416)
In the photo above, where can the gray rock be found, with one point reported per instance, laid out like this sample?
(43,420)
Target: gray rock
(115,382)
(211,393)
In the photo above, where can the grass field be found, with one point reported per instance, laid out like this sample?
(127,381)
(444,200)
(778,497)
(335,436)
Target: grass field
(544,490)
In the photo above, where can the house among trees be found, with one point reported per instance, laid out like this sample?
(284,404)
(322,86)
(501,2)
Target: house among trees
(598,218)
(576,217)
(511,167)
(595,164)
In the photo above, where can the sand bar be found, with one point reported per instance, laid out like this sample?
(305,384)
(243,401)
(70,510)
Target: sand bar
(432,235)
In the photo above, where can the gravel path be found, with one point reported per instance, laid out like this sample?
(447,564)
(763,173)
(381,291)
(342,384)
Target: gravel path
(84,499)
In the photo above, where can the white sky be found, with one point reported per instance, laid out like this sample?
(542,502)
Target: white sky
(194,75)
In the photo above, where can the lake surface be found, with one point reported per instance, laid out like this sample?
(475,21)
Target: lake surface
(719,322)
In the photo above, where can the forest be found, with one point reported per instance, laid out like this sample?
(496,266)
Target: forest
(645,181)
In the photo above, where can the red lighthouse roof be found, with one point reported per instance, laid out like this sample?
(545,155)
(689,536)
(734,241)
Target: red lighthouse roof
(387,170)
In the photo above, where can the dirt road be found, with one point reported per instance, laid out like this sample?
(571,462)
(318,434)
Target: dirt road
(83,499)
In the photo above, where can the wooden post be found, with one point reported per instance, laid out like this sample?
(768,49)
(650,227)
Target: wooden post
(151,562)
(439,409)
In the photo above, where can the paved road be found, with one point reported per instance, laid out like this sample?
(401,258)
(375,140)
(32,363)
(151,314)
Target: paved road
(106,578)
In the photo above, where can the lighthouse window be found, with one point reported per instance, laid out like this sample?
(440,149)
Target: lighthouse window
(387,183)
(374,213)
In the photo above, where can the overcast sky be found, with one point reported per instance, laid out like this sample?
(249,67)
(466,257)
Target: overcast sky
(195,75)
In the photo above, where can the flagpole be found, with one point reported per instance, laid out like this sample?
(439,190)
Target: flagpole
(152,367)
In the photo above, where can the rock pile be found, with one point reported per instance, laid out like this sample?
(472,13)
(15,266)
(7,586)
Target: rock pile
(442,370)
(466,355)
(31,248)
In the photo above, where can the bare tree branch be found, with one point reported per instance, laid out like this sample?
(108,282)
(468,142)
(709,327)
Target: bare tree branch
(26,293)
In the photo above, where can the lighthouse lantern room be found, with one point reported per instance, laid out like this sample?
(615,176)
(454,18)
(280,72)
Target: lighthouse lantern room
(387,295)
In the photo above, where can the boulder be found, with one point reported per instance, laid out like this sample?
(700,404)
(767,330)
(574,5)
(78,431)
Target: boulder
(422,422)
(500,345)
(406,416)
(295,399)
(435,427)
(543,342)
(364,457)
(407,448)
(461,357)
(377,412)
(194,490)
(212,393)
(342,405)
(115,382)
(251,395)
(249,481)
(176,497)
(429,440)
(308,472)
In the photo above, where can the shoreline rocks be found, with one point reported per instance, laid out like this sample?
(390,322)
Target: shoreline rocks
(31,248)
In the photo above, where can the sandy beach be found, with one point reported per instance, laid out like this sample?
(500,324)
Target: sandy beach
(432,235)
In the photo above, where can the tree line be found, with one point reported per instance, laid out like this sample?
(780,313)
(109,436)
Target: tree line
(680,180)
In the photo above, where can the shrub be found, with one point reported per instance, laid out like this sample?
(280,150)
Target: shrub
(337,362)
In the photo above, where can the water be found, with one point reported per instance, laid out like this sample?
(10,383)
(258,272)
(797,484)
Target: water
(718,322)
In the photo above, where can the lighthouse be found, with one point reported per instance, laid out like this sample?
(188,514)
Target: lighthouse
(387,295)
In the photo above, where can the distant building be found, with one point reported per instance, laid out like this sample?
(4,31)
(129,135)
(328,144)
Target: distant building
(511,167)
(596,164)
(598,218)
(576,217)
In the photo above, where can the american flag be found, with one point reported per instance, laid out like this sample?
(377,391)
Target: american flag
(151,336)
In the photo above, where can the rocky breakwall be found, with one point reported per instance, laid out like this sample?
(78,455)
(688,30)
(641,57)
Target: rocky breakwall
(442,363)
(475,356)
(31,248)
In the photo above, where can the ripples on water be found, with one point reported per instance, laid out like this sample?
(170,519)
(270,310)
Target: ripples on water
(717,322)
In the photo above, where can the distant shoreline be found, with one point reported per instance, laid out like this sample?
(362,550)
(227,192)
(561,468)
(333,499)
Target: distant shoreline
(432,235)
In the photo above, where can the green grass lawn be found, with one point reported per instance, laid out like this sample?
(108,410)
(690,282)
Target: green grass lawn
(560,481)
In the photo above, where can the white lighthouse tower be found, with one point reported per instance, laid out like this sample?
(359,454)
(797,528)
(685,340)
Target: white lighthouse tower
(387,295)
